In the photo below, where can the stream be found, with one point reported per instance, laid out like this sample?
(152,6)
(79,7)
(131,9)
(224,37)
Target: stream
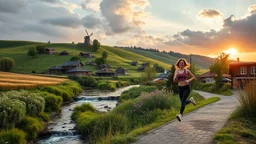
(62,128)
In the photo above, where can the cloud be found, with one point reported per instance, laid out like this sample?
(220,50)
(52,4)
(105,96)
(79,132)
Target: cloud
(123,15)
(90,21)
(12,6)
(210,14)
(52,1)
(240,33)
(91,5)
(252,9)
(67,21)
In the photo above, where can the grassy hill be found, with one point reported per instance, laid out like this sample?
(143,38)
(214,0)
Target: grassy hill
(202,62)
(117,57)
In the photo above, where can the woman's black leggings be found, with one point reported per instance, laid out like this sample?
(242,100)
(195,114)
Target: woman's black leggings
(184,93)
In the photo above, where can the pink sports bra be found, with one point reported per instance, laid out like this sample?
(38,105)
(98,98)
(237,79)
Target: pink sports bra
(183,76)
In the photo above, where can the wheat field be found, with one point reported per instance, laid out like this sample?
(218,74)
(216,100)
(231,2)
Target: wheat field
(12,81)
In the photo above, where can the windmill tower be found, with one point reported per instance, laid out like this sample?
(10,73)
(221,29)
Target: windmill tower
(87,39)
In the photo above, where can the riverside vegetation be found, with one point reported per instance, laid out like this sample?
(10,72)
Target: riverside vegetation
(139,110)
(25,113)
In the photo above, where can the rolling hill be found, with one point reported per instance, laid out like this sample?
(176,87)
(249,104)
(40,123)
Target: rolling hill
(117,57)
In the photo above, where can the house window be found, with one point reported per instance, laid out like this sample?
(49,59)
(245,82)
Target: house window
(242,70)
(253,70)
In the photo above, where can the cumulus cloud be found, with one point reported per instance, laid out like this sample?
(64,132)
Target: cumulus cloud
(12,6)
(209,13)
(67,21)
(252,9)
(237,32)
(91,5)
(123,15)
(90,21)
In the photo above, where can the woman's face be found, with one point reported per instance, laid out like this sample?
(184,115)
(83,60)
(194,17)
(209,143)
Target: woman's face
(181,64)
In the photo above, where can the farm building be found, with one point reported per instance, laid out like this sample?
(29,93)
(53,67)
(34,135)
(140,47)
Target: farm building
(78,71)
(49,50)
(121,71)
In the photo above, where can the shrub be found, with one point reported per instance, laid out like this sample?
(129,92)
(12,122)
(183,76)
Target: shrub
(52,102)
(11,112)
(135,92)
(31,126)
(74,86)
(32,52)
(75,58)
(33,101)
(82,108)
(105,85)
(247,98)
(13,136)
(41,49)
(6,64)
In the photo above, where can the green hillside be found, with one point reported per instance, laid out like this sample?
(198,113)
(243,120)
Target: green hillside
(117,57)
(41,63)
(202,62)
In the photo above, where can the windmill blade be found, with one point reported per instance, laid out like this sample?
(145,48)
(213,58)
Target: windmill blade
(91,34)
(87,33)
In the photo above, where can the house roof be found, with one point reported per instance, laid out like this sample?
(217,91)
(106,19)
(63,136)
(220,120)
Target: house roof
(105,70)
(78,69)
(71,63)
(209,75)
(55,68)
(242,63)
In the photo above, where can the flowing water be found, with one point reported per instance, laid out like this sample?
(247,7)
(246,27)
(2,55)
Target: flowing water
(63,128)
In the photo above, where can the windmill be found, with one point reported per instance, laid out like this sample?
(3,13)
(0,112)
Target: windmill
(87,39)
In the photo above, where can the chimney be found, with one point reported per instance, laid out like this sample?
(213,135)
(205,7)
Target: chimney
(238,59)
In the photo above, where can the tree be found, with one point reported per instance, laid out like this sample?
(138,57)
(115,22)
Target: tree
(148,74)
(105,55)
(170,84)
(41,49)
(194,70)
(96,45)
(158,68)
(100,61)
(75,58)
(6,64)
(32,52)
(219,67)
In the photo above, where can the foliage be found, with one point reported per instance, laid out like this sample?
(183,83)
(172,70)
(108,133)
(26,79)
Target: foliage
(41,49)
(31,126)
(135,92)
(100,61)
(87,81)
(219,67)
(170,84)
(148,74)
(159,85)
(11,112)
(6,64)
(32,52)
(96,45)
(75,58)
(158,68)
(82,108)
(33,101)
(247,98)
(13,136)
(106,85)
(195,71)
(211,87)
(52,102)
(105,55)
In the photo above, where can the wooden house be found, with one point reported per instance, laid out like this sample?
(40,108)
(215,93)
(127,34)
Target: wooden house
(71,65)
(85,55)
(241,72)
(134,63)
(142,67)
(78,71)
(121,71)
(56,70)
(49,50)
(209,77)
(105,72)
(104,66)
(64,53)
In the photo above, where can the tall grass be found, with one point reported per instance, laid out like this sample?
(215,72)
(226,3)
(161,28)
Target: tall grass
(247,98)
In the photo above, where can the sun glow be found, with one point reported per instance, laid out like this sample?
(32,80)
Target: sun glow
(231,51)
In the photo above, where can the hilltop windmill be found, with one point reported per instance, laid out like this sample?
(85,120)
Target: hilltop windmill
(87,39)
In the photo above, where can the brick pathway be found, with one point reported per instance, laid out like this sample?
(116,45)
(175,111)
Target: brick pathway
(196,127)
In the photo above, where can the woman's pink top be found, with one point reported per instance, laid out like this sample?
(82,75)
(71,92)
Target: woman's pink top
(183,76)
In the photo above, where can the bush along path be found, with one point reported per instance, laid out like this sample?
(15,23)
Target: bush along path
(196,127)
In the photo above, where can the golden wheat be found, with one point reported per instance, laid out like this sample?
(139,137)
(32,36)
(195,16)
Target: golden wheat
(12,81)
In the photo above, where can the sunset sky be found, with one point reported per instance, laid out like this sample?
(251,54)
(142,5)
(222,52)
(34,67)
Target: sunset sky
(192,26)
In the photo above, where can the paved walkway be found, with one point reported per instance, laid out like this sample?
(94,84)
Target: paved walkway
(196,127)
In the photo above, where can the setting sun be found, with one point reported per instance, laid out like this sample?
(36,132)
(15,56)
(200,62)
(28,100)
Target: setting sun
(231,51)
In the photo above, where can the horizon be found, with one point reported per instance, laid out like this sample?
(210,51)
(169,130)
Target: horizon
(188,27)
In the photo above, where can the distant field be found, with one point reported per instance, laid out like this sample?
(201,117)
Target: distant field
(10,81)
